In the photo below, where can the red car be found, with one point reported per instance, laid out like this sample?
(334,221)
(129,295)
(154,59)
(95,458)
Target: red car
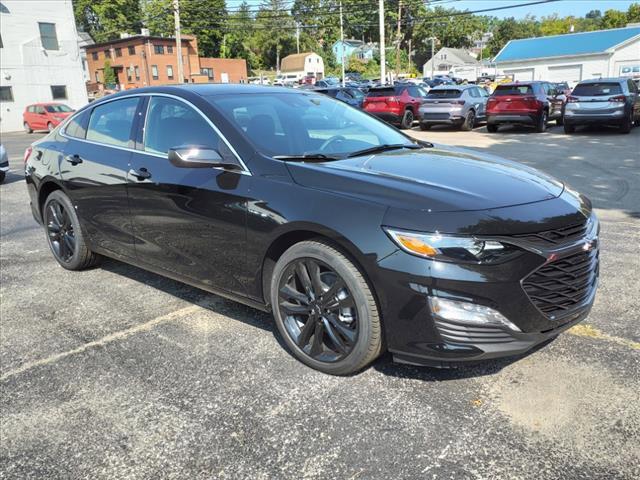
(530,103)
(44,116)
(398,104)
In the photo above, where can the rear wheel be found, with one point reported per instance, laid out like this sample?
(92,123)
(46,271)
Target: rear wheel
(492,127)
(469,121)
(2,176)
(407,120)
(569,128)
(627,124)
(64,234)
(541,126)
(27,128)
(324,309)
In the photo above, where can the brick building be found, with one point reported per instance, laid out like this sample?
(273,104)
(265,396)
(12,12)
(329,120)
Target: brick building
(143,60)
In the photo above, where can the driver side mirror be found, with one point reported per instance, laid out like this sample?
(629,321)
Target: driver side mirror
(200,157)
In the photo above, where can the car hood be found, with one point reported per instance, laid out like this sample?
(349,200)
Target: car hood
(437,179)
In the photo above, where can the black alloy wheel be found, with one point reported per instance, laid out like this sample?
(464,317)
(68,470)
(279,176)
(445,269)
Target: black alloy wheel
(318,309)
(469,121)
(542,122)
(627,125)
(60,231)
(407,120)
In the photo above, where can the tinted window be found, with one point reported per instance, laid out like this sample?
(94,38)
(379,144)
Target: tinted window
(356,93)
(111,123)
(449,93)
(58,108)
(382,92)
(513,90)
(77,126)
(597,89)
(295,124)
(171,123)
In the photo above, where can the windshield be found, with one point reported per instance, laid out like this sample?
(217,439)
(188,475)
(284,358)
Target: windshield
(295,124)
(513,90)
(597,89)
(58,108)
(444,94)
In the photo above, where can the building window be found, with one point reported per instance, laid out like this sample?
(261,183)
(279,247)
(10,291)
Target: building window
(59,92)
(118,52)
(169,48)
(154,72)
(98,76)
(137,70)
(208,72)
(48,36)
(6,94)
(158,49)
(132,50)
(170,72)
(107,54)
(94,55)
(129,73)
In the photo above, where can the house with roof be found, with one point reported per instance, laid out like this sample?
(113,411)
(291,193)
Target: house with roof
(574,56)
(300,65)
(447,60)
(358,48)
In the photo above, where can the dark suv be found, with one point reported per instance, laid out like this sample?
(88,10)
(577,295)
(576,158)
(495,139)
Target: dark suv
(527,103)
(398,104)
(605,101)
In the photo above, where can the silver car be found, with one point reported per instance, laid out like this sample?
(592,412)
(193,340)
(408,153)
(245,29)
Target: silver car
(605,101)
(460,105)
(4,163)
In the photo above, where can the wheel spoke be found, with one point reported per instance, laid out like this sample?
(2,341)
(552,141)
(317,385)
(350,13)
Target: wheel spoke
(63,249)
(288,293)
(60,216)
(293,309)
(334,337)
(348,334)
(56,247)
(334,289)
(55,220)
(53,228)
(307,330)
(318,337)
(314,273)
(303,276)
(69,243)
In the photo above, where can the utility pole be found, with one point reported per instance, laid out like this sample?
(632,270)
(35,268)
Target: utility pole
(398,36)
(383,60)
(341,45)
(176,16)
(297,37)
(433,43)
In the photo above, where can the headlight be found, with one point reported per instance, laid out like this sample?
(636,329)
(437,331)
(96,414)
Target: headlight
(453,249)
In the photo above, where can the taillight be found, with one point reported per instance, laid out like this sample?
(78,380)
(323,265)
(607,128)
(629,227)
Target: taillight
(458,102)
(27,153)
(571,99)
(618,99)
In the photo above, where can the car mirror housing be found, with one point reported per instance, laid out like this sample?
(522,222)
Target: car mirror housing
(199,157)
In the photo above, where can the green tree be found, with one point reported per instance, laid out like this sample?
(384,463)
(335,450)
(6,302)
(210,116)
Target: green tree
(106,19)
(512,29)
(614,19)
(633,13)
(109,75)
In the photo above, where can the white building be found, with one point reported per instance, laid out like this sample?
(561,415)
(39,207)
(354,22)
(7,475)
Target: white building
(573,57)
(39,58)
(300,65)
(446,60)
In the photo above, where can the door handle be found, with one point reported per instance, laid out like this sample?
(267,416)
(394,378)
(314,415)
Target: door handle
(73,159)
(141,174)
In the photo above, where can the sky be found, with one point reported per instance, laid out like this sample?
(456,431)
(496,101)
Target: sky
(562,8)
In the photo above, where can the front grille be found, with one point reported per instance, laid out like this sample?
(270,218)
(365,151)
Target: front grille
(564,284)
(555,237)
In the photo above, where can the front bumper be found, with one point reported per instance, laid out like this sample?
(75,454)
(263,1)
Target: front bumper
(415,334)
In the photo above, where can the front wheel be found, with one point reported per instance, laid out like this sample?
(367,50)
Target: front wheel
(324,309)
(2,176)
(27,128)
(469,121)
(64,235)
(50,127)
(407,120)
(560,120)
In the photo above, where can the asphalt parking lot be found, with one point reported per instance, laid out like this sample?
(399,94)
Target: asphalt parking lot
(117,373)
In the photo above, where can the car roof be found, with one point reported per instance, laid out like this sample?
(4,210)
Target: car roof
(452,87)
(42,104)
(600,80)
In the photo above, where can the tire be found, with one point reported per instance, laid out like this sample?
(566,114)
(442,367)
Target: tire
(492,127)
(64,234)
(2,176)
(50,127)
(560,120)
(27,128)
(626,126)
(541,125)
(407,120)
(425,126)
(356,324)
(569,128)
(469,121)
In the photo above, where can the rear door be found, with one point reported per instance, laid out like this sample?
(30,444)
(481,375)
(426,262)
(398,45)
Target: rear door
(188,221)
(94,169)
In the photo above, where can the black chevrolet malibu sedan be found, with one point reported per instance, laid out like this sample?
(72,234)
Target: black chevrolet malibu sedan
(357,238)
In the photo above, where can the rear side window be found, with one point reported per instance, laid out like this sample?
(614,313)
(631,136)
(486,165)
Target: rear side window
(503,90)
(77,126)
(599,89)
(111,123)
(171,123)
(449,93)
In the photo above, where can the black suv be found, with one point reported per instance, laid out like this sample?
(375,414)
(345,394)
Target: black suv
(358,238)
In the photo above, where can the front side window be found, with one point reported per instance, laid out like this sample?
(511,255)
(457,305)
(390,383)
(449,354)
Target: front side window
(6,94)
(48,36)
(59,92)
(299,124)
(111,122)
(77,126)
(154,72)
(171,123)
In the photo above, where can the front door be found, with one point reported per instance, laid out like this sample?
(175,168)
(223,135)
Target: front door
(94,169)
(188,221)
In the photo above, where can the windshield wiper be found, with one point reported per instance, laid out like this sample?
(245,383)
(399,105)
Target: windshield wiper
(307,156)
(384,148)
